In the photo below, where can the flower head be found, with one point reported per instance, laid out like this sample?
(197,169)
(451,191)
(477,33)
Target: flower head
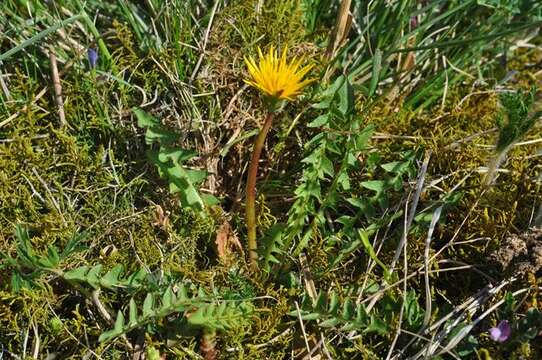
(501,333)
(275,76)
(92,55)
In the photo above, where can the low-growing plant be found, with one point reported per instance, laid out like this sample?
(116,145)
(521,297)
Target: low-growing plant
(279,80)
(514,120)
(170,161)
(372,232)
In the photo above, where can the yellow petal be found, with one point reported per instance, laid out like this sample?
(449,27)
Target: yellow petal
(275,76)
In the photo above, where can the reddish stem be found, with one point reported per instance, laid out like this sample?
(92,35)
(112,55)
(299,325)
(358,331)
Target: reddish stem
(250,210)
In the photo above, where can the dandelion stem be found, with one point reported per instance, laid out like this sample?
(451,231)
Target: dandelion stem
(250,209)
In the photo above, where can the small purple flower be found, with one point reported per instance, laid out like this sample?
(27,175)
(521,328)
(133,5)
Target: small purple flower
(501,333)
(92,55)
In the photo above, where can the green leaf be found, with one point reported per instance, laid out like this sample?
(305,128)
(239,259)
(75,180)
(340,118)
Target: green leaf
(178,156)
(169,161)
(346,98)
(136,279)
(168,298)
(376,325)
(349,309)
(424,218)
(78,274)
(74,244)
(119,323)
(181,183)
(160,135)
(93,276)
(467,346)
(414,313)
(330,322)
(326,166)
(333,303)
(153,353)
(145,120)
(319,121)
(148,305)
(272,245)
(196,176)
(155,132)
(509,303)
(329,93)
(361,138)
(307,316)
(372,287)
(182,293)
(361,314)
(377,186)
(372,254)
(375,75)
(17,282)
(53,256)
(363,205)
(210,200)
(344,180)
(320,304)
(530,325)
(515,120)
(24,247)
(116,331)
(111,279)
(397,167)
(44,262)
(132,318)
(219,317)
(201,294)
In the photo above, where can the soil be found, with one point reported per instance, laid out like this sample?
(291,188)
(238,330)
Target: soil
(520,254)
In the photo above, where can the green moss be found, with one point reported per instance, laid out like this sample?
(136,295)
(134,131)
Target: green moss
(277,22)
(93,175)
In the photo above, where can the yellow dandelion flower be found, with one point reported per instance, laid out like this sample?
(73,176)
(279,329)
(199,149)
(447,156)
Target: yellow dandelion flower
(276,77)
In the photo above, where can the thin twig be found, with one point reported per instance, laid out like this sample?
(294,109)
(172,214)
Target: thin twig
(307,277)
(405,274)
(205,40)
(412,210)
(467,329)
(104,312)
(445,92)
(34,191)
(418,336)
(4,87)
(435,218)
(25,108)
(70,333)
(313,294)
(51,197)
(57,88)
(341,28)
(37,342)
(303,330)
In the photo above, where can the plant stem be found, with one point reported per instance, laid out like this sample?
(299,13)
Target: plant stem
(250,209)
(208,344)
(92,28)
